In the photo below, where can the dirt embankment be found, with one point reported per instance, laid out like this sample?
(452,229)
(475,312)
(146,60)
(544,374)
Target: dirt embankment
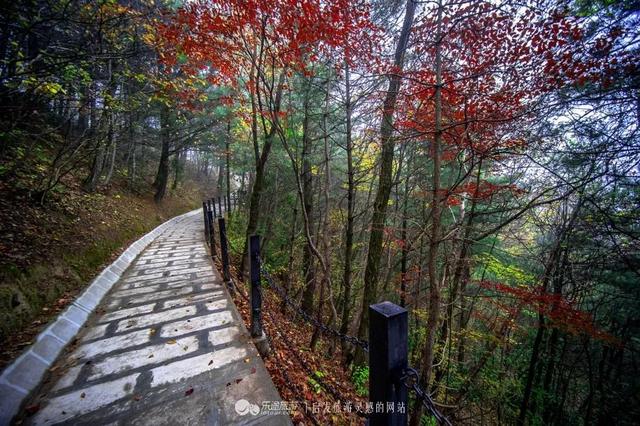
(50,252)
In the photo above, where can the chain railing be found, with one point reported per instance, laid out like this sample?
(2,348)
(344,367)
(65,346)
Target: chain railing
(411,381)
(390,319)
(325,329)
(335,393)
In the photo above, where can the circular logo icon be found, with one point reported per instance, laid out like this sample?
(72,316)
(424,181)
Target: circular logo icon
(244,407)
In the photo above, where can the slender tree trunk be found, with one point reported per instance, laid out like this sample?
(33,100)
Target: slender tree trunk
(307,185)
(434,307)
(162,176)
(290,273)
(348,245)
(228,161)
(374,254)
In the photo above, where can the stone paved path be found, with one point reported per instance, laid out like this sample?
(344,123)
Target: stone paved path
(166,346)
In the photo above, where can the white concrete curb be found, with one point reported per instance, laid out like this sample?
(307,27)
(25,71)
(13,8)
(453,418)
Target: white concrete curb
(22,376)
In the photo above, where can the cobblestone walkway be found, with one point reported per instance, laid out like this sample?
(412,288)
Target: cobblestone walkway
(166,346)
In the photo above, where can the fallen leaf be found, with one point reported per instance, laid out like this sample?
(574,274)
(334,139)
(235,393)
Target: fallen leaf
(150,356)
(210,362)
(238,381)
(253,370)
(32,409)
(82,395)
(246,360)
(171,342)
(152,332)
(188,392)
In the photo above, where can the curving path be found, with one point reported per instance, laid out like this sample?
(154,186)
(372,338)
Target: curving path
(166,346)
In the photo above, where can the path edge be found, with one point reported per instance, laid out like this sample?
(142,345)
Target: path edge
(26,372)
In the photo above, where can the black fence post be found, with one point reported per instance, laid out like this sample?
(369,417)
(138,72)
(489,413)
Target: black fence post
(227,203)
(220,206)
(259,338)
(213,207)
(224,254)
(388,348)
(212,235)
(206,221)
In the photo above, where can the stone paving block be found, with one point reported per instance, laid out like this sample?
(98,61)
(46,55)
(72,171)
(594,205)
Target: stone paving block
(87,301)
(116,270)
(68,378)
(197,282)
(111,276)
(145,356)
(227,335)
(216,305)
(76,315)
(64,329)
(161,295)
(195,324)
(190,367)
(155,318)
(128,312)
(191,299)
(135,279)
(94,332)
(9,402)
(134,291)
(151,260)
(64,407)
(111,344)
(47,347)
(99,288)
(28,371)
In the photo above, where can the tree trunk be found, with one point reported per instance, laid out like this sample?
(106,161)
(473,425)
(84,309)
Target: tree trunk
(348,245)
(307,185)
(162,177)
(433,317)
(370,293)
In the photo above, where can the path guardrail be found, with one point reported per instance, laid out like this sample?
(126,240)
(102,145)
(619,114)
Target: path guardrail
(391,379)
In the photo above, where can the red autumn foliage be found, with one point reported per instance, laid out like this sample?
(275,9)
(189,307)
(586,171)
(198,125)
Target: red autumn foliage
(497,66)
(559,311)
(224,37)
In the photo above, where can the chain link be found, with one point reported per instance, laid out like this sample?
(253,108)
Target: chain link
(329,388)
(309,318)
(411,381)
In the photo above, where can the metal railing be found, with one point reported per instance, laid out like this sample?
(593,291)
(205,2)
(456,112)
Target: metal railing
(390,377)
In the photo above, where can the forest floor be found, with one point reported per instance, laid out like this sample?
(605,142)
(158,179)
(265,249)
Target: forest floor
(293,365)
(49,253)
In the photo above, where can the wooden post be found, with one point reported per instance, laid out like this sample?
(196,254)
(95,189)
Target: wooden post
(388,354)
(224,254)
(213,205)
(206,221)
(212,235)
(259,338)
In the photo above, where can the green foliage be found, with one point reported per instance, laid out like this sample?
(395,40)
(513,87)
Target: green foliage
(360,379)
(502,271)
(427,420)
(317,387)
